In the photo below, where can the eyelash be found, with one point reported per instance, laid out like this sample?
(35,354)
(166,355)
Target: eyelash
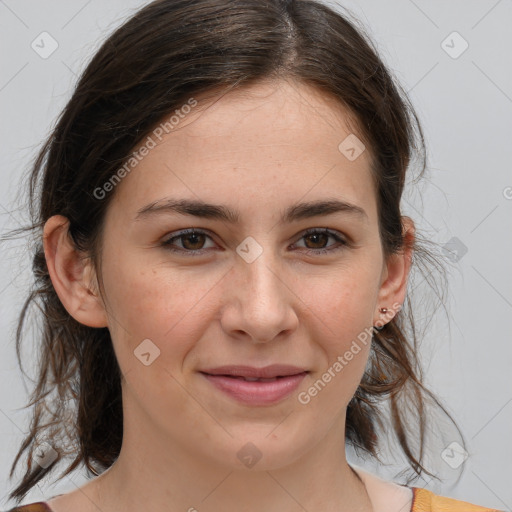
(167,243)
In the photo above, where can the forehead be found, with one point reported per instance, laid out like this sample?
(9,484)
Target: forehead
(277,136)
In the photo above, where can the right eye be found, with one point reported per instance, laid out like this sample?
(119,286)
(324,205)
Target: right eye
(189,237)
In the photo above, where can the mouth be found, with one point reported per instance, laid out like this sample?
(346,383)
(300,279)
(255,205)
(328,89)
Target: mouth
(253,386)
(252,374)
(253,379)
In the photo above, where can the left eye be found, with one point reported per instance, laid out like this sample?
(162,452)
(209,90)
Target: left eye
(192,241)
(320,235)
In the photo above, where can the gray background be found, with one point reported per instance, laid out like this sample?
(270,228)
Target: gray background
(465,106)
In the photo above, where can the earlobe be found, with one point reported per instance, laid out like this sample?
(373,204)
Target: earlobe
(72,274)
(394,285)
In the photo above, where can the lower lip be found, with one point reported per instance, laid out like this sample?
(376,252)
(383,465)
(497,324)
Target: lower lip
(256,393)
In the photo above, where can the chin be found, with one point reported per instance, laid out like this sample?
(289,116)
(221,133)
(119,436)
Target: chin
(263,450)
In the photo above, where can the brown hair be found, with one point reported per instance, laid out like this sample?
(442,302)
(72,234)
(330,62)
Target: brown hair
(169,51)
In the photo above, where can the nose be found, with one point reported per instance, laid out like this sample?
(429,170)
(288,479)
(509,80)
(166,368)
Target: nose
(259,304)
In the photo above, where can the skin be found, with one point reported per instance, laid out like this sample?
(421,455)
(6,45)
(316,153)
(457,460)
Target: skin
(258,151)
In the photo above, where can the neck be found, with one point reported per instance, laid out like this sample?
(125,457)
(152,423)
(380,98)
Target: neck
(145,476)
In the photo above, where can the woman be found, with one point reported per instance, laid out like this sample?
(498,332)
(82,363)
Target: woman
(223,264)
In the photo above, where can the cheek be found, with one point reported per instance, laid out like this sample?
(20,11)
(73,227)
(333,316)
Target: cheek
(158,304)
(342,310)
(343,304)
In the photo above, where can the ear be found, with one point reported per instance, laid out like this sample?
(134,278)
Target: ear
(72,274)
(394,277)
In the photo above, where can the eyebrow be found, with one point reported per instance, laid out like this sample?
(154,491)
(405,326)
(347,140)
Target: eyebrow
(204,210)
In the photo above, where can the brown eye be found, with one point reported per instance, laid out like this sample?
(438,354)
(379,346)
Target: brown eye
(192,242)
(319,237)
(318,240)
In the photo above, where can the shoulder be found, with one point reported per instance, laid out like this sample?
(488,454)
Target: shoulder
(39,506)
(388,496)
(385,495)
(426,501)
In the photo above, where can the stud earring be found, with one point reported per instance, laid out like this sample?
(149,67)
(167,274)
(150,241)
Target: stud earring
(383,310)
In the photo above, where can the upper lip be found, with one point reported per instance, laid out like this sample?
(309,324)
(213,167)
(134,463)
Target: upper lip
(267,372)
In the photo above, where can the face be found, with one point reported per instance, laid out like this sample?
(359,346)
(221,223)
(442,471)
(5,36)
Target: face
(258,290)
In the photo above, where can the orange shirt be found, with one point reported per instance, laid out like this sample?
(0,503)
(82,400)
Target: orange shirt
(40,506)
(426,501)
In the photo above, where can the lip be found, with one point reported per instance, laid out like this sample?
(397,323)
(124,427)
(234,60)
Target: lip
(267,372)
(228,380)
